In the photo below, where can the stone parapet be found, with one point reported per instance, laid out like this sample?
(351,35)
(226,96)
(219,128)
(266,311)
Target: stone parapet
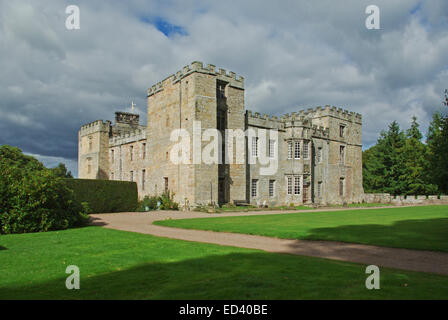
(404,199)
(197,66)
(127,137)
(264,121)
(95,126)
(337,113)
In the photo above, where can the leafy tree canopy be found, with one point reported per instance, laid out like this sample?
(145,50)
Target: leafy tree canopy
(62,171)
(34,198)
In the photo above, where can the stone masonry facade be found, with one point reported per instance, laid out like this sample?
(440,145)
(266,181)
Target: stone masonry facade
(317,152)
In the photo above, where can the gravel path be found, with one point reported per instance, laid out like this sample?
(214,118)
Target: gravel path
(414,260)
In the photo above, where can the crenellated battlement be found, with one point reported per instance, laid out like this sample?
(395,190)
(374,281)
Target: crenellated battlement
(95,126)
(337,113)
(197,66)
(326,111)
(155,88)
(257,115)
(294,121)
(264,121)
(127,118)
(127,137)
(303,118)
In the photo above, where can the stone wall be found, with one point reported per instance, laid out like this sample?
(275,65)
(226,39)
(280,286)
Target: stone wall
(128,159)
(235,180)
(170,107)
(403,200)
(377,198)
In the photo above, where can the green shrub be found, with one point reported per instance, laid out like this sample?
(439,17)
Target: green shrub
(105,195)
(33,198)
(163,202)
(148,203)
(167,201)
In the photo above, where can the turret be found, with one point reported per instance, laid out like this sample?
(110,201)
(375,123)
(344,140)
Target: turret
(93,144)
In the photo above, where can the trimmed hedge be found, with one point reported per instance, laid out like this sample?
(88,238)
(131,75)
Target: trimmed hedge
(104,196)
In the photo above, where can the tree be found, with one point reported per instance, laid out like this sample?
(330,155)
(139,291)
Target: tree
(391,146)
(435,128)
(401,163)
(445,101)
(416,165)
(437,140)
(373,170)
(414,132)
(384,162)
(32,197)
(62,171)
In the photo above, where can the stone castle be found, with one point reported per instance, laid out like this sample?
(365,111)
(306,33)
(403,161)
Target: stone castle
(317,152)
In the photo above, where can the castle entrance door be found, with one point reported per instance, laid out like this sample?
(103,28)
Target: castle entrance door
(306,192)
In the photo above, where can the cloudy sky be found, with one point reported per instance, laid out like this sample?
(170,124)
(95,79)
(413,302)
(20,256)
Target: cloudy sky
(293,55)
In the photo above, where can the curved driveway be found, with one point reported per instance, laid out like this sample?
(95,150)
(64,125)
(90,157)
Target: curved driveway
(414,260)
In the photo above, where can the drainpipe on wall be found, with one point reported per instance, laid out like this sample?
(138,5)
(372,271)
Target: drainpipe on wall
(180,127)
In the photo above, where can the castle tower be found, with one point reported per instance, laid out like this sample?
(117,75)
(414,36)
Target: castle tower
(342,173)
(202,97)
(93,150)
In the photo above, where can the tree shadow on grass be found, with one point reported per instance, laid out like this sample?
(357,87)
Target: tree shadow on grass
(237,276)
(3,248)
(420,234)
(95,221)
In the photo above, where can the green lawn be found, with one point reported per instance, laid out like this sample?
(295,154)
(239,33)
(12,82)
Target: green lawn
(253,208)
(360,205)
(424,227)
(290,208)
(124,265)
